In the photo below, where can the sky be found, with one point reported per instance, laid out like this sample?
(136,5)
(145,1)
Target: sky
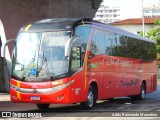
(130,8)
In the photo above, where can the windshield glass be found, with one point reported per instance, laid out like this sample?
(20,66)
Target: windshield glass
(40,54)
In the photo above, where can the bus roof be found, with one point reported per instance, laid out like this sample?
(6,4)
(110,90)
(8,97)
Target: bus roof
(51,24)
(68,24)
(114,29)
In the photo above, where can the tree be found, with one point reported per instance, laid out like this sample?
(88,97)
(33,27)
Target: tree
(154,34)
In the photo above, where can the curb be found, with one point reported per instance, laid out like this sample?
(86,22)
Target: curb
(4,97)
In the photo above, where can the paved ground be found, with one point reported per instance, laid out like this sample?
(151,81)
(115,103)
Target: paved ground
(103,108)
(6,97)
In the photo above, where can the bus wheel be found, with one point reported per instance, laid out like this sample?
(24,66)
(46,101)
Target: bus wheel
(143,92)
(91,99)
(42,106)
(141,96)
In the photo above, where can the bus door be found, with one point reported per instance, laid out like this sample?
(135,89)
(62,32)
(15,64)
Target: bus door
(94,73)
(77,72)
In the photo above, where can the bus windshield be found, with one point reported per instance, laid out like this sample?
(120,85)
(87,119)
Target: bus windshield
(40,55)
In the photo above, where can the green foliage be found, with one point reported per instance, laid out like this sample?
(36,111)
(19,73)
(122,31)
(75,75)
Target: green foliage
(141,34)
(157,22)
(154,34)
(158,64)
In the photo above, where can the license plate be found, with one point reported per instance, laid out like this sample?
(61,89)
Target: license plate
(35,98)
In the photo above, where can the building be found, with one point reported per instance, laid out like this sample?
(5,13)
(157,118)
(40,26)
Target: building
(152,12)
(135,25)
(152,9)
(107,14)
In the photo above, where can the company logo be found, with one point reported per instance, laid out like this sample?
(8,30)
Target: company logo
(115,62)
(38,85)
(34,91)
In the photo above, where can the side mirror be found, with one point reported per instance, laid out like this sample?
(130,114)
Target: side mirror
(6,44)
(69,45)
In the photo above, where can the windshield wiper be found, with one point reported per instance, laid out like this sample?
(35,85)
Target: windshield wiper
(26,69)
(39,68)
(44,62)
(46,66)
(29,65)
(59,76)
(24,72)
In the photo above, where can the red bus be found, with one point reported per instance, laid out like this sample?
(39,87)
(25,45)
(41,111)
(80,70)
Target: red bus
(73,60)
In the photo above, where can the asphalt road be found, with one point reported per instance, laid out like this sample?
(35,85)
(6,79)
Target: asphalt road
(103,108)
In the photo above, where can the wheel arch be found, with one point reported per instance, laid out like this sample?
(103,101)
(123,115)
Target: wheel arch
(91,92)
(144,82)
(94,85)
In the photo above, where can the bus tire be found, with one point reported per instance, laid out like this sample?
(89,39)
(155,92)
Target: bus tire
(141,96)
(43,106)
(91,99)
(111,99)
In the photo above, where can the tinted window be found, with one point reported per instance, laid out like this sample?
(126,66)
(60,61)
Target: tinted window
(132,46)
(84,33)
(98,42)
(101,40)
(123,47)
(114,44)
(108,43)
(120,45)
(95,42)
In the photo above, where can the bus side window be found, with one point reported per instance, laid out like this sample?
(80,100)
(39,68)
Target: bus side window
(113,41)
(83,32)
(118,46)
(124,50)
(93,49)
(101,40)
(94,43)
(97,43)
(108,44)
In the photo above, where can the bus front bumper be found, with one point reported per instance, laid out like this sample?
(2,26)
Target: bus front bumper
(44,92)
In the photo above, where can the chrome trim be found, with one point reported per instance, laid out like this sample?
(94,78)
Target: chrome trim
(42,91)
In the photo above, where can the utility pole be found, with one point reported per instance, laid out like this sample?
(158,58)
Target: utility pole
(143,19)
